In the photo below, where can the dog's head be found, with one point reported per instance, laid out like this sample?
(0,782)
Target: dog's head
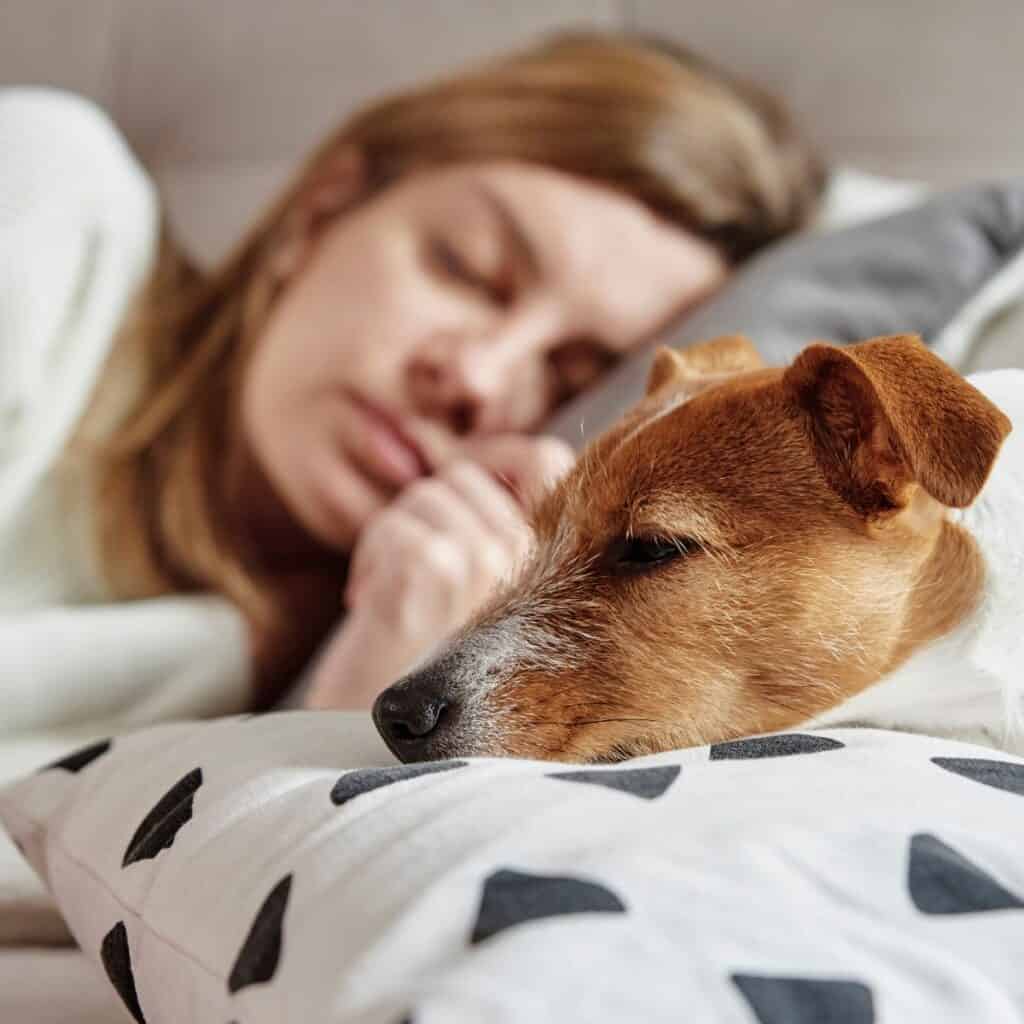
(745,549)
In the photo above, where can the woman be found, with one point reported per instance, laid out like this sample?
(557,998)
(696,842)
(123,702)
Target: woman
(359,384)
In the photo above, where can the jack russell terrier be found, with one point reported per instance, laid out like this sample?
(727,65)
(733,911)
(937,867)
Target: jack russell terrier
(751,549)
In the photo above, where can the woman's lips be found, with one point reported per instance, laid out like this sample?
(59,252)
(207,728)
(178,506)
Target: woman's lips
(384,448)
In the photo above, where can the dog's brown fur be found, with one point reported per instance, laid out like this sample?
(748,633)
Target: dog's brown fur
(814,501)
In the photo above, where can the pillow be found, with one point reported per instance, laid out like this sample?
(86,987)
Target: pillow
(910,272)
(852,195)
(256,870)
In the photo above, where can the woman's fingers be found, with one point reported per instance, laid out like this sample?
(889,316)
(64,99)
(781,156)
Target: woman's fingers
(493,505)
(526,465)
(416,577)
(440,505)
(451,538)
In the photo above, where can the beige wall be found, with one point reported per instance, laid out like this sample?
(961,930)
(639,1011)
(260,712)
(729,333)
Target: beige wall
(220,97)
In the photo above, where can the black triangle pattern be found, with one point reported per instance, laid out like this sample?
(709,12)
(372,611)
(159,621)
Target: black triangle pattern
(646,783)
(116,958)
(1005,775)
(161,825)
(779,745)
(943,881)
(260,954)
(785,1000)
(365,780)
(514,897)
(76,761)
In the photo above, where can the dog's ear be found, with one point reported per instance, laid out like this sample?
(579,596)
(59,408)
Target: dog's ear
(886,413)
(667,366)
(732,353)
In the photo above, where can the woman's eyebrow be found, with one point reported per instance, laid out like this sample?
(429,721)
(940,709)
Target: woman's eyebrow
(512,228)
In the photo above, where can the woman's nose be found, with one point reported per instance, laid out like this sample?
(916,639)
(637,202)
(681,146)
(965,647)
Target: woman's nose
(465,384)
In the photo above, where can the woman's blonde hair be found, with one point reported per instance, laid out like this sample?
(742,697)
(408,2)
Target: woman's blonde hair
(704,150)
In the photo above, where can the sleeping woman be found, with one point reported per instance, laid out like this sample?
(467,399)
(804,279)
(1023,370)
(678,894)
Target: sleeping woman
(329,441)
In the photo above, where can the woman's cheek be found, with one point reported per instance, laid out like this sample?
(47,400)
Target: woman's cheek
(533,396)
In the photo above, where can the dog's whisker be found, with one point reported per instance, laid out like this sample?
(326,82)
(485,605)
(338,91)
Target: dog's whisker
(604,721)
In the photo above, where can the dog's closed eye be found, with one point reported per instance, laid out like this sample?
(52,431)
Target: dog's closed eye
(639,554)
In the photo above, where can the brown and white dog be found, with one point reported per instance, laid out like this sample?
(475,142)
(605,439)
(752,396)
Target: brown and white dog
(748,550)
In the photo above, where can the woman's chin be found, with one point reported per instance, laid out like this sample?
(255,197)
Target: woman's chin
(342,499)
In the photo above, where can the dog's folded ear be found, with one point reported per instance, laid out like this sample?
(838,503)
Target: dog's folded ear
(887,413)
(731,353)
(668,366)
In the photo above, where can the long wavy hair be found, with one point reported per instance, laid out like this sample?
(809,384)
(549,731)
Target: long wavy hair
(701,148)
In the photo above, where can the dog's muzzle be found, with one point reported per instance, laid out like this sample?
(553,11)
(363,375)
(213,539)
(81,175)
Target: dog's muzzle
(419,716)
(445,707)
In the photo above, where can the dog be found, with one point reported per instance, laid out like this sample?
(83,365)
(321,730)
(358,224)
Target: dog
(752,549)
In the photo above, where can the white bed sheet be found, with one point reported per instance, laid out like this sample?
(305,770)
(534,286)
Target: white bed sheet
(55,986)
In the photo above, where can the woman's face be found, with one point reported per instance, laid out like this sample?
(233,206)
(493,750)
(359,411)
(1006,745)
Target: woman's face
(459,303)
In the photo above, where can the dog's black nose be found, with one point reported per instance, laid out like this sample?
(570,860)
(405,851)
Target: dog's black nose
(410,716)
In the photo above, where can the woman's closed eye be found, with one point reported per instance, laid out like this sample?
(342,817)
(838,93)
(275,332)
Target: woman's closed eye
(454,266)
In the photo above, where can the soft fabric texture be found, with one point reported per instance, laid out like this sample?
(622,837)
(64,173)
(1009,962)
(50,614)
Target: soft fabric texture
(78,223)
(260,870)
(853,196)
(55,986)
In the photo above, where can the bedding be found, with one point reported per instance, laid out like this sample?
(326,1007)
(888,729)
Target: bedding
(281,867)
(55,986)
(853,196)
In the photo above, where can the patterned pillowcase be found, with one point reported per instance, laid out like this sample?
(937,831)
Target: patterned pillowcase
(243,870)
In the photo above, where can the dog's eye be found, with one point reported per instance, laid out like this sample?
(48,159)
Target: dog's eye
(630,554)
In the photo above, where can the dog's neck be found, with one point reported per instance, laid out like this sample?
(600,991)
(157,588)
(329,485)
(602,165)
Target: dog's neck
(969,683)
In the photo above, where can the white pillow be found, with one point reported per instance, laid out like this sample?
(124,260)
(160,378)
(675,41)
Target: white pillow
(853,196)
(235,871)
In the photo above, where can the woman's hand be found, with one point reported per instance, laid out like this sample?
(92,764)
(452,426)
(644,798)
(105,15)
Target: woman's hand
(429,560)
